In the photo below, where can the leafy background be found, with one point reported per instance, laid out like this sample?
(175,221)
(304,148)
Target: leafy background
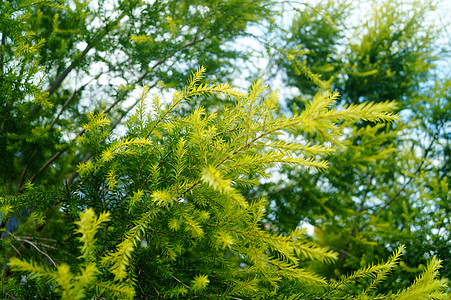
(71,74)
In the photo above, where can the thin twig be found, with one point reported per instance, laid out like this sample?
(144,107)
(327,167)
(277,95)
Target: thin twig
(97,37)
(2,49)
(12,246)
(159,163)
(22,177)
(67,103)
(36,247)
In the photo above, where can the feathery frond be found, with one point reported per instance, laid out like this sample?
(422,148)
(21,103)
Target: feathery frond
(427,285)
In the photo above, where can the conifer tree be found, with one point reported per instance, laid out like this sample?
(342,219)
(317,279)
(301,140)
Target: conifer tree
(374,196)
(169,208)
(62,59)
(175,223)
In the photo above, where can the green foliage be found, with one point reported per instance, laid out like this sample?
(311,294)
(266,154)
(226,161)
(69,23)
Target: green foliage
(178,227)
(76,286)
(179,202)
(426,285)
(386,185)
(63,62)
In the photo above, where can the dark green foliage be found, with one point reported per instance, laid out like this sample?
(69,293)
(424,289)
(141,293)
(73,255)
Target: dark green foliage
(388,185)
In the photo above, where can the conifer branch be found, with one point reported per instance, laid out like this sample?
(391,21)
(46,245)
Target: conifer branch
(158,165)
(123,114)
(2,51)
(241,288)
(115,288)
(98,36)
(36,270)
(389,265)
(63,108)
(120,259)
(59,153)
(63,75)
(164,59)
(398,193)
(193,217)
(375,272)
(427,285)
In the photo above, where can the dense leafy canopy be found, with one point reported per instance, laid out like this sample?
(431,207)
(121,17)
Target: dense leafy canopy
(388,185)
(112,188)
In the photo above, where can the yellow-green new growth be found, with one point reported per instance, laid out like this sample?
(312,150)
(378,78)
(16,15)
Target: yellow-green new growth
(428,285)
(96,120)
(111,179)
(213,178)
(123,147)
(137,196)
(188,169)
(375,273)
(74,286)
(319,116)
(87,227)
(200,282)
